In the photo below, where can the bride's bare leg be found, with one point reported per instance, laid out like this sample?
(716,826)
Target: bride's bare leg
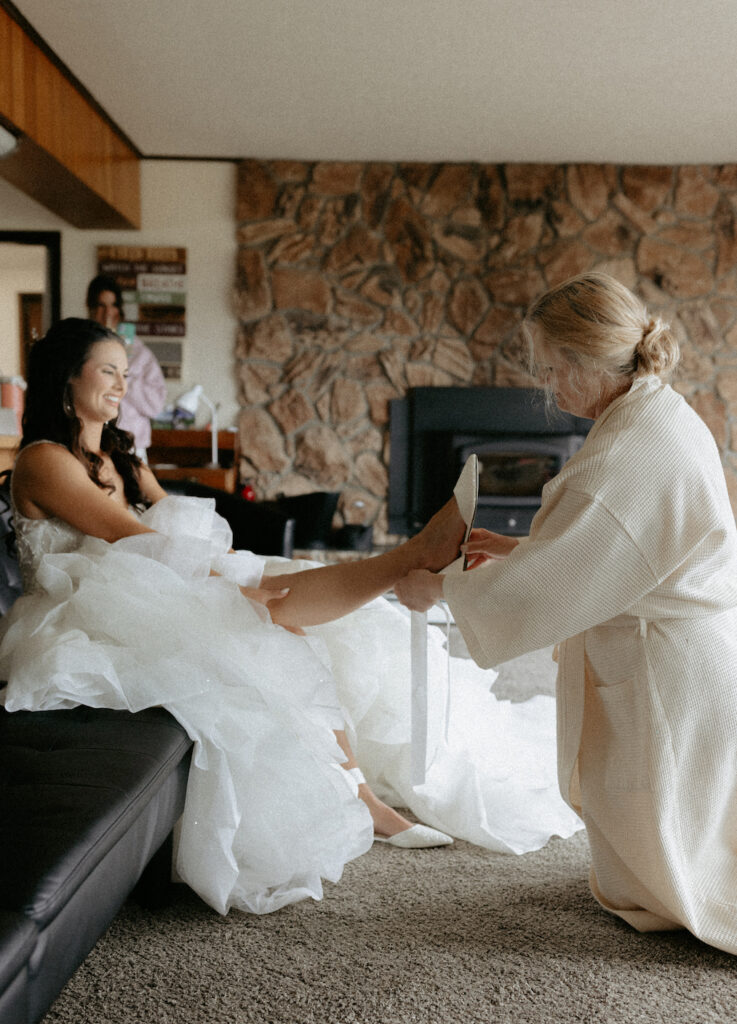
(387,821)
(330,591)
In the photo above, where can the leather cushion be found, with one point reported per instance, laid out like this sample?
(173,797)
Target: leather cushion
(18,937)
(71,783)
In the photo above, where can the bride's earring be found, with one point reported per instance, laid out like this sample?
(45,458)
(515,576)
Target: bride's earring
(68,408)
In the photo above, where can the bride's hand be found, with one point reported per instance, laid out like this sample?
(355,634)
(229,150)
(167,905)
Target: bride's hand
(264,596)
(484,546)
(419,590)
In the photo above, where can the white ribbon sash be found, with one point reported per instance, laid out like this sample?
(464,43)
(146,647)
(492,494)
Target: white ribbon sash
(466,494)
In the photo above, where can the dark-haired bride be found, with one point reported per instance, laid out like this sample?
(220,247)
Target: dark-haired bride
(133,598)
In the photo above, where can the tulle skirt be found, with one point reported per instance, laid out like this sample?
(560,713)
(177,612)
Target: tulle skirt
(269,812)
(491,773)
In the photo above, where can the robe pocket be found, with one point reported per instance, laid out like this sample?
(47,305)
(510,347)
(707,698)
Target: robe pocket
(624,735)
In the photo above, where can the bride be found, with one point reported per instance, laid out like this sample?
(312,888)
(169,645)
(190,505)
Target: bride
(133,598)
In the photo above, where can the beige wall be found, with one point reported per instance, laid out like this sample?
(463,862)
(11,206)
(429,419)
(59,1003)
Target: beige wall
(184,203)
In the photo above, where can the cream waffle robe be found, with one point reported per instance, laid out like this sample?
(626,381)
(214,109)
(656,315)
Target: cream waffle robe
(631,567)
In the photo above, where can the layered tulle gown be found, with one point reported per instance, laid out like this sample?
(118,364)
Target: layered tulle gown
(269,812)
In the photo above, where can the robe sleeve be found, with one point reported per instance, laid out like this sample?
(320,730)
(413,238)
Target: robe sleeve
(579,567)
(147,390)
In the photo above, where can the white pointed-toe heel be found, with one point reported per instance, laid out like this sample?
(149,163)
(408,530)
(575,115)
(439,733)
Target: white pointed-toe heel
(418,837)
(466,494)
(466,491)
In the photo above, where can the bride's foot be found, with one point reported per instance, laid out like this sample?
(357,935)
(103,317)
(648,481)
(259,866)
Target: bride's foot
(449,527)
(387,821)
(440,540)
(390,826)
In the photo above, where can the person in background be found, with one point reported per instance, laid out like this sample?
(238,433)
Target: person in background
(146,395)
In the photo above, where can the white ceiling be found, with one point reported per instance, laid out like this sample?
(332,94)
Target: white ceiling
(627,81)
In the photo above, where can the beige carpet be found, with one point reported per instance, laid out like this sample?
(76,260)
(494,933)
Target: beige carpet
(455,934)
(408,937)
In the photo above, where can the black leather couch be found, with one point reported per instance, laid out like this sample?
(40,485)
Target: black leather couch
(88,800)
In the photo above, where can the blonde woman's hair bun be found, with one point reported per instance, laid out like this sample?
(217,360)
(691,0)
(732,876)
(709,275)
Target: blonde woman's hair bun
(657,351)
(600,327)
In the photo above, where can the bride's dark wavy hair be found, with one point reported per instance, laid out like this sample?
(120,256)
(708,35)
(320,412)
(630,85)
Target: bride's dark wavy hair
(49,410)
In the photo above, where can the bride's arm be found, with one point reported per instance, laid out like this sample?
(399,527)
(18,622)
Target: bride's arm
(49,481)
(150,486)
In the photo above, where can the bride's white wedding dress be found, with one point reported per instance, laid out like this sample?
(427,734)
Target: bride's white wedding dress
(269,811)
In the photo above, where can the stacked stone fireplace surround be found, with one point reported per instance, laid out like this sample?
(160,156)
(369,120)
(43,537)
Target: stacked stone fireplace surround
(358,281)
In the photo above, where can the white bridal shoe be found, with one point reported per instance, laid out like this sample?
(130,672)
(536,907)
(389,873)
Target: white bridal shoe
(466,494)
(417,837)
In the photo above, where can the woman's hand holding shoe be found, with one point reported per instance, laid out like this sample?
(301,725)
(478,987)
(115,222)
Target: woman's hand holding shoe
(484,546)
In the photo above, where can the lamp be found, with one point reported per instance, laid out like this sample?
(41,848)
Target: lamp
(8,142)
(189,401)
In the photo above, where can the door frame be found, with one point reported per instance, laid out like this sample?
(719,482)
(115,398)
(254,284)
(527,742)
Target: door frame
(51,240)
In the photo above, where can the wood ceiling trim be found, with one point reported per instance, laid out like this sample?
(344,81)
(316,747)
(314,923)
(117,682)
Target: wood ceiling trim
(69,158)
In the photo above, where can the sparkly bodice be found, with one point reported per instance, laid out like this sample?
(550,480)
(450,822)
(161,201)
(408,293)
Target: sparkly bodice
(38,537)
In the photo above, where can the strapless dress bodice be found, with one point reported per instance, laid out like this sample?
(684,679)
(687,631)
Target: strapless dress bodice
(38,537)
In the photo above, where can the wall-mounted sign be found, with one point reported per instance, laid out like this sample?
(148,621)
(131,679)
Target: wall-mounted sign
(153,280)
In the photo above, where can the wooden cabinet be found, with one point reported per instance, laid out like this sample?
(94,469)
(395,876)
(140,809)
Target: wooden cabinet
(185,455)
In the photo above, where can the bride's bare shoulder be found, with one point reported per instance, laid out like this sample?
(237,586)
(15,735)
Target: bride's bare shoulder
(41,455)
(39,468)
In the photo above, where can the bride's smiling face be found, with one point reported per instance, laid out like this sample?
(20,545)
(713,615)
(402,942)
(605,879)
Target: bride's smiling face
(102,382)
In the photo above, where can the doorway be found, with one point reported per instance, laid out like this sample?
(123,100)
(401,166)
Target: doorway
(30,293)
(31,317)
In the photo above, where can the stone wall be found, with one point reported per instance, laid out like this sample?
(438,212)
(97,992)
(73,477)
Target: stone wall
(357,281)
